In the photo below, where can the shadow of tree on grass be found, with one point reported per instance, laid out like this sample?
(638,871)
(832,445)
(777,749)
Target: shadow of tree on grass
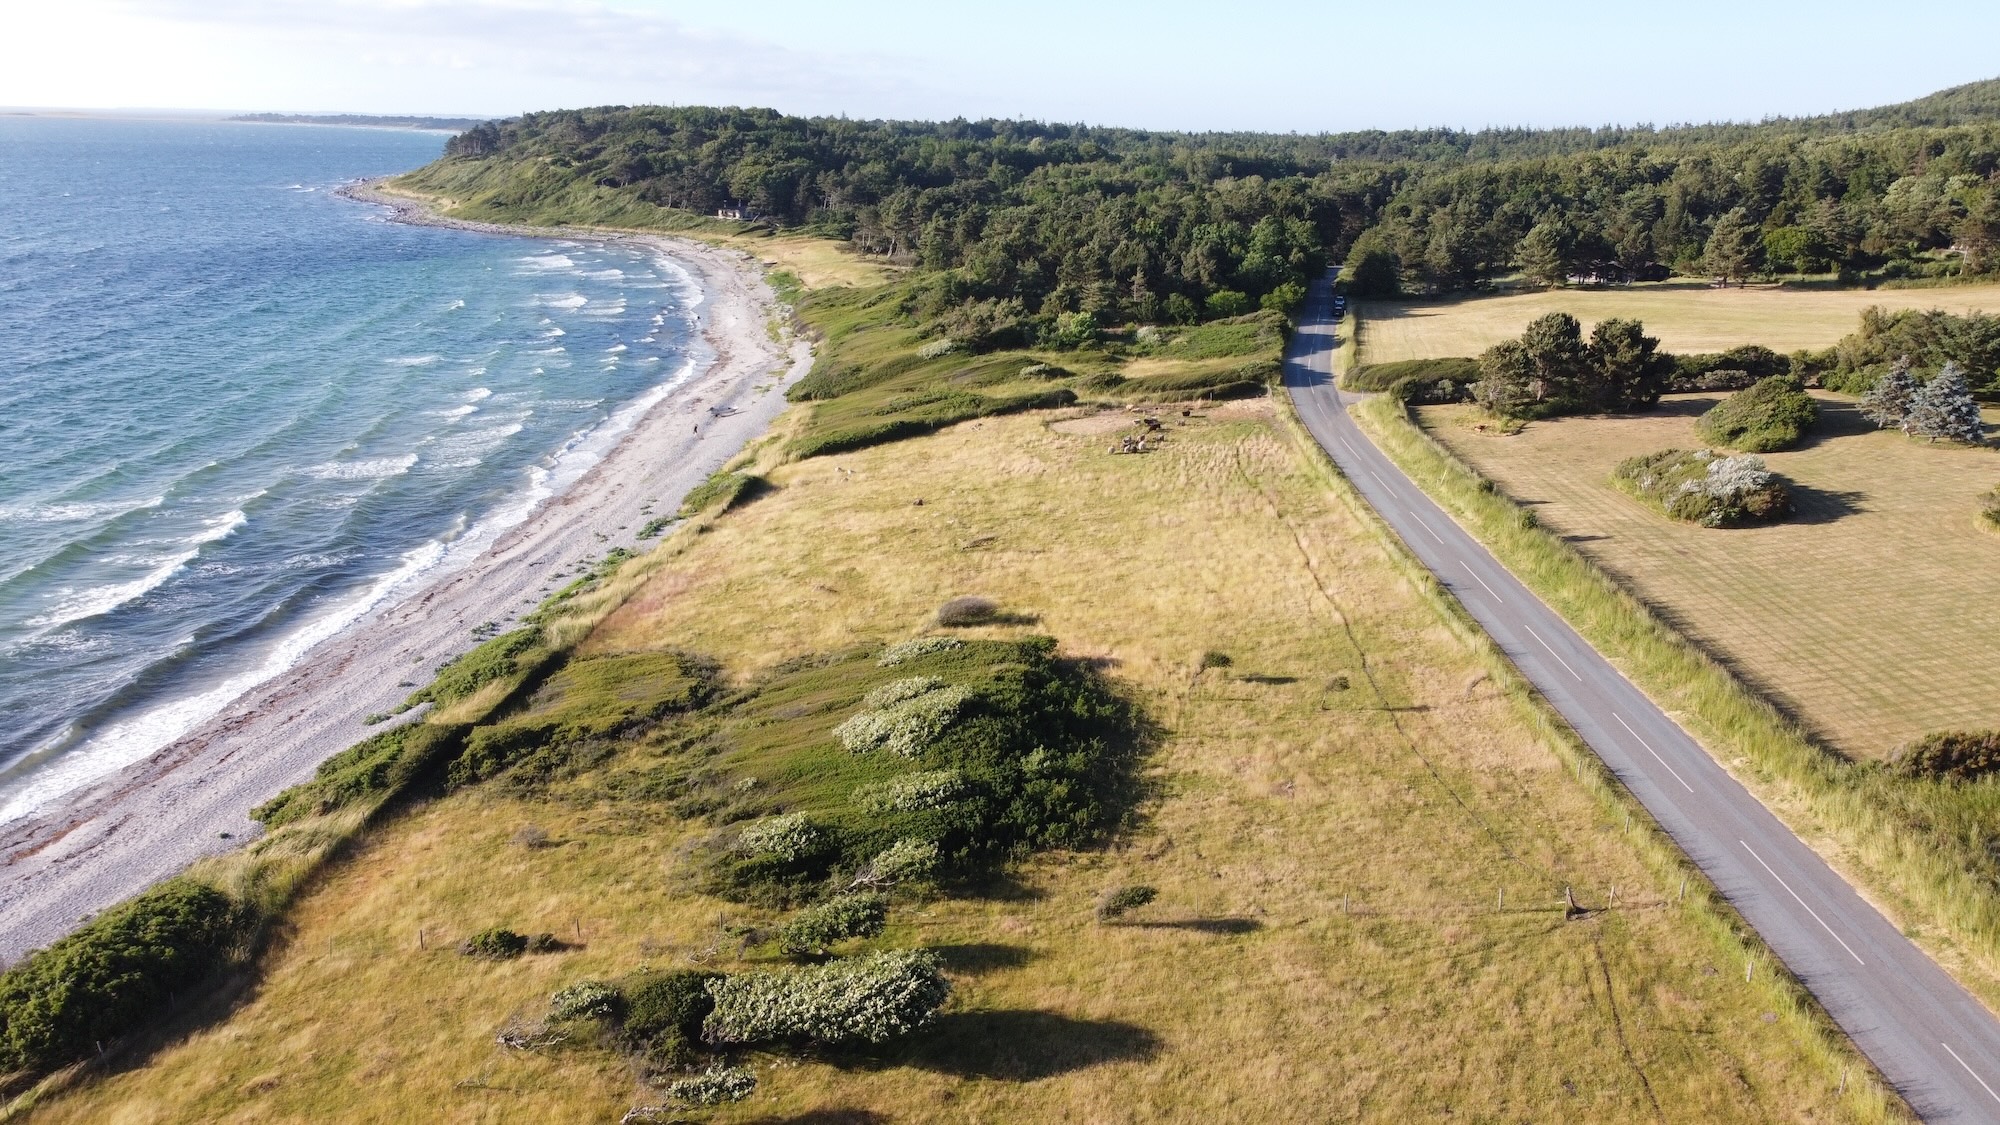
(1018,1046)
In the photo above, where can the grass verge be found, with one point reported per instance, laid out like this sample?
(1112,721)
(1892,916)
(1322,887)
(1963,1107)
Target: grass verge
(1917,846)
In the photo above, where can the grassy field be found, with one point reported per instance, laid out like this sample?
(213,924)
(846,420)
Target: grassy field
(1867,615)
(1687,317)
(1358,830)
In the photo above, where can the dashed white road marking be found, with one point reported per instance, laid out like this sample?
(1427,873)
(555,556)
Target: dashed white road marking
(1969,1070)
(1810,910)
(1427,527)
(1378,478)
(1653,752)
(1552,652)
(1482,582)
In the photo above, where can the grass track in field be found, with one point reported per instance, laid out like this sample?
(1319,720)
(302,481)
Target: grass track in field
(1686,317)
(1245,993)
(1869,615)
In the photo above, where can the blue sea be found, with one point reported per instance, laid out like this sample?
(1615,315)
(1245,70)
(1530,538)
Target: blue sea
(237,412)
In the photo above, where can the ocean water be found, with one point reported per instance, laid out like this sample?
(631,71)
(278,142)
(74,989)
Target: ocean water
(236,412)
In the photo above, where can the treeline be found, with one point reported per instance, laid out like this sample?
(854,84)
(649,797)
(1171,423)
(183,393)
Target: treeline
(1780,200)
(1120,224)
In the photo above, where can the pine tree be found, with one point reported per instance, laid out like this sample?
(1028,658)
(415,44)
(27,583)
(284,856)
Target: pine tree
(1887,403)
(1544,254)
(1945,408)
(1734,247)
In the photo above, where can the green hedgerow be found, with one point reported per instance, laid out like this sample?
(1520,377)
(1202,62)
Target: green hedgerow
(1956,755)
(1773,414)
(495,944)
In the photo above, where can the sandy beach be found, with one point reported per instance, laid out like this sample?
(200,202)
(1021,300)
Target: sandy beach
(113,838)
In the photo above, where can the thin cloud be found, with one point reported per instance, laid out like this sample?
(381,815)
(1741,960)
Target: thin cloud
(580,50)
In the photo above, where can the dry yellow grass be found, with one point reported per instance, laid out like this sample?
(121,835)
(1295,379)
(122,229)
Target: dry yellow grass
(1686,317)
(816,262)
(1328,942)
(1867,616)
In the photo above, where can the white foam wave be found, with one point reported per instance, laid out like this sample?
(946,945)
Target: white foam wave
(615,348)
(479,394)
(613,307)
(454,306)
(557,350)
(547,262)
(602,275)
(75,605)
(132,739)
(412,360)
(554,333)
(457,411)
(562,300)
(374,468)
(80,510)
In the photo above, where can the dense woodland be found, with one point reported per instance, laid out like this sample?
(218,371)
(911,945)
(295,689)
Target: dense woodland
(1037,220)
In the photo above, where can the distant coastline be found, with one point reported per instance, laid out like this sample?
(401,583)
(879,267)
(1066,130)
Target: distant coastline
(362,120)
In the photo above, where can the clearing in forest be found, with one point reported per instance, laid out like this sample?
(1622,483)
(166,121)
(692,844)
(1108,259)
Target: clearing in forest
(1869,615)
(1358,838)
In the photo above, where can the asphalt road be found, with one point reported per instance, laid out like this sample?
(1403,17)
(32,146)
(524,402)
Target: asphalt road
(1937,1045)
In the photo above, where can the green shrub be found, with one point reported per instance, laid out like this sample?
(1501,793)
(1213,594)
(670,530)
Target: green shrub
(718,1085)
(922,646)
(1213,658)
(786,839)
(1955,755)
(1989,509)
(863,1000)
(494,944)
(1704,488)
(915,792)
(586,1000)
(815,928)
(114,975)
(907,724)
(664,1014)
(1120,900)
(1733,370)
(1774,414)
(1417,380)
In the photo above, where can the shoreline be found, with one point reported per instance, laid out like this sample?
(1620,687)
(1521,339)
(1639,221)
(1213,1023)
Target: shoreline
(118,834)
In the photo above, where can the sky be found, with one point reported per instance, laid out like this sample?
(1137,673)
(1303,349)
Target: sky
(1277,65)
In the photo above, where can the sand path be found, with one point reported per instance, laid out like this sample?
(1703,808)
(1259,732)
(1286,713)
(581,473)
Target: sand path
(132,828)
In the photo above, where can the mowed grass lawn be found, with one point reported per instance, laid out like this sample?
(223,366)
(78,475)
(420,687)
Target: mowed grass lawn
(1687,317)
(1332,822)
(1870,615)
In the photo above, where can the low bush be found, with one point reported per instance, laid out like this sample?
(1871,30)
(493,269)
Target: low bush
(1119,901)
(967,610)
(922,646)
(816,928)
(1773,414)
(495,944)
(862,1000)
(1704,488)
(1417,380)
(586,1000)
(906,724)
(1954,755)
(718,1085)
(663,1015)
(115,974)
(1733,370)
(1989,509)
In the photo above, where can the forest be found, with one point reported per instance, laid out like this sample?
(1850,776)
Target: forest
(1015,219)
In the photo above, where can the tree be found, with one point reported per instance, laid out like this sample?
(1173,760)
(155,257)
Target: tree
(1887,403)
(1978,233)
(1798,249)
(1373,269)
(1631,371)
(1734,247)
(1541,374)
(1547,253)
(1945,408)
